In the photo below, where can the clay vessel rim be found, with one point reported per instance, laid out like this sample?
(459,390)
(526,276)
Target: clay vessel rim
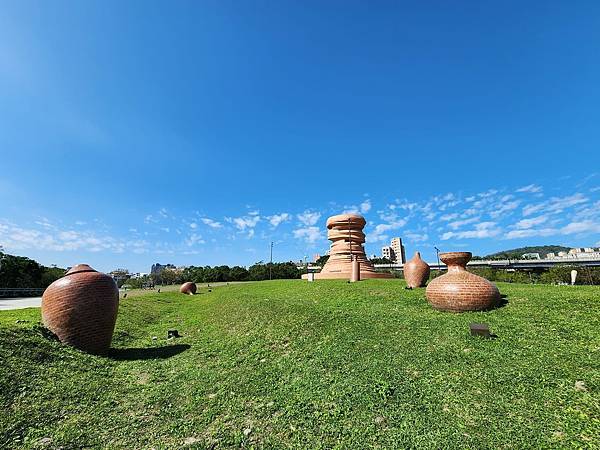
(341,218)
(80,268)
(459,254)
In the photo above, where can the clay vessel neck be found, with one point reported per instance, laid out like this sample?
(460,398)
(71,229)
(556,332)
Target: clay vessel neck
(456,261)
(456,268)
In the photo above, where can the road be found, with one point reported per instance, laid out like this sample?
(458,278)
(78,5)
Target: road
(36,302)
(20,303)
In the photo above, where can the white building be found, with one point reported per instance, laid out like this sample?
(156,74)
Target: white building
(398,248)
(387,252)
(395,251)
(576,253)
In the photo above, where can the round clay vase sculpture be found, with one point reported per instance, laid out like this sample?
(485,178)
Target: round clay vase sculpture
(459,290)
(416,272)
(188,288)
(81,309)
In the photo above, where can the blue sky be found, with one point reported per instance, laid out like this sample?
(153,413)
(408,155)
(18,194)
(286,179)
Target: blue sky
(199,132)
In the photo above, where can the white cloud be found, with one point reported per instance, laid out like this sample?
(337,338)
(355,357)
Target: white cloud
(503,208)
(481,231)
(244,222)
(556,205)
(276,219)
(580,227)
(383,227)
(531,209)
(417,237)
(529,223)
(530,232)
(530,188)
(193,225)
(194,239)
(380,232)
(309,218)
(587,226)
(448,217)
(365,206)
(459,223)
(14,237)
(211,223)
(559,204)
(309,234)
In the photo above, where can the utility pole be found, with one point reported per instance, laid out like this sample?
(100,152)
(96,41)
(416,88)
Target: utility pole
(350,239)
(271,263)
(437,250)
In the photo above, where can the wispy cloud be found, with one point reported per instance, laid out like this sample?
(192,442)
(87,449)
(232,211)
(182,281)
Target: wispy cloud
(276,219)
(194,239)
(482,230)
(530,188)
(244,222)
(14,237)
(309,234)
(309,218)
(529,223)
(211,223)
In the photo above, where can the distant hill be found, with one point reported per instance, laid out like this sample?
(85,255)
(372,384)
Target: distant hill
(517,253)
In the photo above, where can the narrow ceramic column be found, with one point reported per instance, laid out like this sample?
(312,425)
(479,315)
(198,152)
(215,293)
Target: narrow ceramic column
(355,270)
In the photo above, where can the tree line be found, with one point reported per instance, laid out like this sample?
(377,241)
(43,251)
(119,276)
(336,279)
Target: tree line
(22,272)
(207,274)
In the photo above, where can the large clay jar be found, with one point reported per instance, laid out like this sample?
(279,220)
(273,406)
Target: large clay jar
(416,271)
(81,309)
(459,290)
(188,288)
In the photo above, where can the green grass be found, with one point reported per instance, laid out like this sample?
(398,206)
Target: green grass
(311,365)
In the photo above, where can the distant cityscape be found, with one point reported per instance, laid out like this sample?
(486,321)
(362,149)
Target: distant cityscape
(395,253)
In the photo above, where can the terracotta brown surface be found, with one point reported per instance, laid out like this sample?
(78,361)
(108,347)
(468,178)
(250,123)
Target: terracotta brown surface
(416,271)
(81,309)
(355,271)
(459,290)
(345,233)
(188,288)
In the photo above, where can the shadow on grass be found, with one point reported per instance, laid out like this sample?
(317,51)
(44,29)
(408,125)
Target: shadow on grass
(503,301)
(134,354)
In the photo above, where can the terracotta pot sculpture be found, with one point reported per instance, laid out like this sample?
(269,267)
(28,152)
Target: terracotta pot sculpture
(416,272)
(81,309)
(345,231)
(459,290)
(188,288)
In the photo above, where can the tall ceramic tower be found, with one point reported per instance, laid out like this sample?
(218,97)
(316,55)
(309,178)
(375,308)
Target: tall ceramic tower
(345,231)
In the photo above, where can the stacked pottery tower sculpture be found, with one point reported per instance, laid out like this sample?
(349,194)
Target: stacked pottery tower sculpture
(345,231)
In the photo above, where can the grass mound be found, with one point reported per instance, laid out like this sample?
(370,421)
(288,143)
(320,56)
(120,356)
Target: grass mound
(290,363)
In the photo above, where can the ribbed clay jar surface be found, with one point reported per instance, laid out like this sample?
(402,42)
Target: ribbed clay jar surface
(188,288)
(81,309)
(416,271)
(459,290)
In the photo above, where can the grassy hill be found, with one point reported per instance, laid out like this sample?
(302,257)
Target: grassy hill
(311,365)
(517,253)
